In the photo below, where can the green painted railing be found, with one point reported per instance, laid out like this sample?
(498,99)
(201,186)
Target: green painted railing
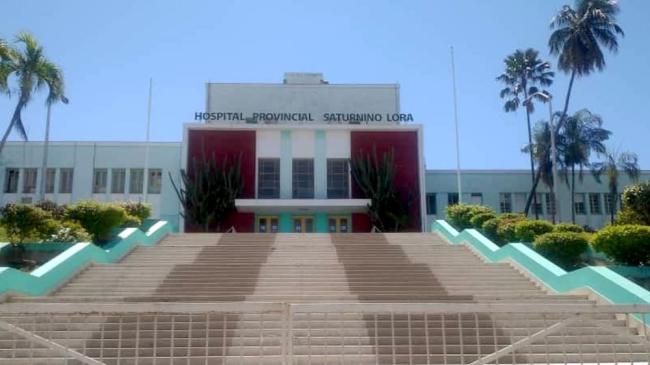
(60,268)
(609,285)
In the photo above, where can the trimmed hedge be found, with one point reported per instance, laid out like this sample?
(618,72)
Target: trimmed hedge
(563,248)
(460,215)
(478,220)
(626,244)
(528,230)
(636,199)
(568,227)
(501,229)
(25,221)
(138,210)
(98,219)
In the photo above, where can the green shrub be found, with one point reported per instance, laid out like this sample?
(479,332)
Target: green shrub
(98,219)
(138,210)
(55,210)
(506,232)
(563,248)
(460,215)
(23,221)
(528,230)
(489,228)
(478,220)
(68,231)
(628,216)
(626,244)
(636,199)
(132,221)
(568,227)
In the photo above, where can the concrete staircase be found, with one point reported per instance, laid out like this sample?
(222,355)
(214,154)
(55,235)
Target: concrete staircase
(304,269)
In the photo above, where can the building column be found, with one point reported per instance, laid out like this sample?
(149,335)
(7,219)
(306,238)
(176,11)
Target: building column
(320,222)
(285,223)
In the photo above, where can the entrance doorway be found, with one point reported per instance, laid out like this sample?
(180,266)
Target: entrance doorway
(303,224)
(268,224)
(338,225)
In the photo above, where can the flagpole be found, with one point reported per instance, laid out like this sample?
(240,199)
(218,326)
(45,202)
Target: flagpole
(453,77)
(146,150)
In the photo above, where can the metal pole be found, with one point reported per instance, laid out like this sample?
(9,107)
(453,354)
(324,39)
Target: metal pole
(556,180)
(145,190)
(453,77)
(46,143)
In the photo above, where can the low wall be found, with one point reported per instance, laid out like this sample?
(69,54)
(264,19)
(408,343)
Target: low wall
(602,281)
(63,266)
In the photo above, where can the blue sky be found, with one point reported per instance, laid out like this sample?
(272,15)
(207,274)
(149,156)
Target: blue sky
(109,50)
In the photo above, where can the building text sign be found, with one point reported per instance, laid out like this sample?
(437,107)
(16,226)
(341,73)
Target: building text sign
(271,117)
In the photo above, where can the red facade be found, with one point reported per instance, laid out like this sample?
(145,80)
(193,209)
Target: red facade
(407,181)
(227,144)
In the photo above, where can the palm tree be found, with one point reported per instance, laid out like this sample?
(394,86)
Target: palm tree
(33,72)
(5,60)
(541,149)
(523,74)
(578,37)
(582,134)
(614,163)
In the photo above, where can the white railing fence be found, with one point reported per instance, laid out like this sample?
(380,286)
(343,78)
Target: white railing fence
(342,333)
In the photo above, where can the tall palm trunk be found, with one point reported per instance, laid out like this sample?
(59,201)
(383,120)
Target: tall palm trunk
(614,194)
(533,190)
(21,104)
(573,194)
(45,150)
(566,101)
(532,160)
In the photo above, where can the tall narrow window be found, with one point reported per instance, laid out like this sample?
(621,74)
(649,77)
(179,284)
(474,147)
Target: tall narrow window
(594,204)
(136,181)
(550,203)
(431,204)
(579,204)
(99,181)
(118,180)
(65,181)
(11,180)
(608,203)
(539,208)
(452,198)
(505,202)
(337,179)
(303,178)
(155,181)
(50,175)
(519,201)
(268,178)
(29,181)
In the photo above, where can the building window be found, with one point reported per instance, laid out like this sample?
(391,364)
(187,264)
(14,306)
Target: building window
(337,179)
(11,180)
(579,203)
(136,181)
(594,204)
(550,203)
(118,180)
(29,181)
(519,201)
(268,178)
(505,202)
(609,206)
(155,181)
(50,176)
(99,181)
(476,198)
(303,178)
(452,198)
(431,204)
(65,181)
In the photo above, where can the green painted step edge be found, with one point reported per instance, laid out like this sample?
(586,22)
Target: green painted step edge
(56,271)
(608,284)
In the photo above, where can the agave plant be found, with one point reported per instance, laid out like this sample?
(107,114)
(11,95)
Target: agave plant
(375,177)
(209,190)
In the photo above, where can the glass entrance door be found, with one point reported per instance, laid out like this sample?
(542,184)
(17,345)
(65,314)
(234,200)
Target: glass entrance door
(303,224)
(268,224)
(338,225)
